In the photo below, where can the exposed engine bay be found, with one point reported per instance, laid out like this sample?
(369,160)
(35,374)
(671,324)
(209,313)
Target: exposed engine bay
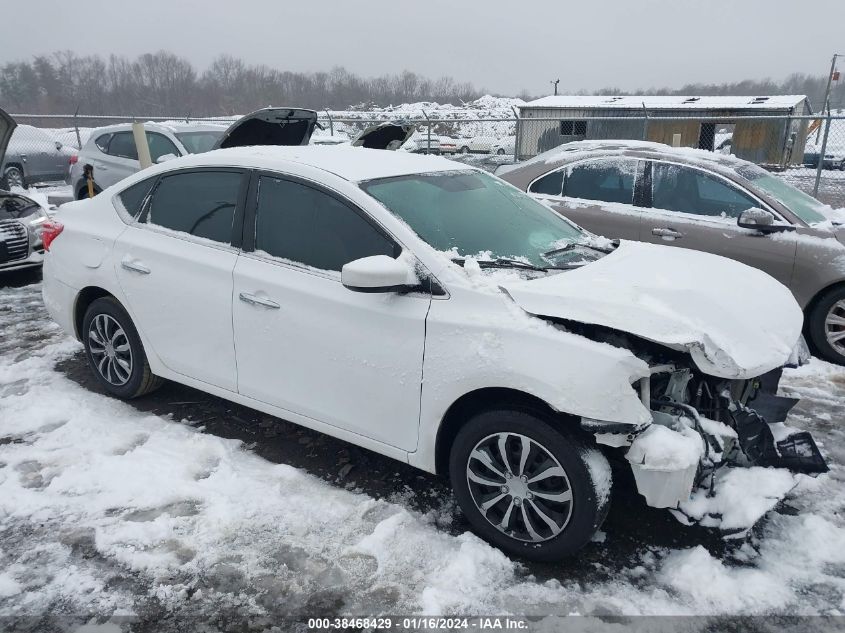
(705,430)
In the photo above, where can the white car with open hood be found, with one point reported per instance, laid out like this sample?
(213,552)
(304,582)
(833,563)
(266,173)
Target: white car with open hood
(438,315)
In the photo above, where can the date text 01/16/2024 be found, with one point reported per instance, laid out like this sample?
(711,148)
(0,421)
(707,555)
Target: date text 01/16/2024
(479,623)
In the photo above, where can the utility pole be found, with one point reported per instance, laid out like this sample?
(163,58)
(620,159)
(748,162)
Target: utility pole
(555,82)
(826,104)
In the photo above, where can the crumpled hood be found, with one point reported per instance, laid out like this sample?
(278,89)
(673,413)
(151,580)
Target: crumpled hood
(734,320)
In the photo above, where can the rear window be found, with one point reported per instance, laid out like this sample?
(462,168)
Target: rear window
(133,197)
(199,142)
(610,180)
(200,203)
(550,184)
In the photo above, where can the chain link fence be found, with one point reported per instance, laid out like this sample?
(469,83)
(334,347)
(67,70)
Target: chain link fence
(808,151)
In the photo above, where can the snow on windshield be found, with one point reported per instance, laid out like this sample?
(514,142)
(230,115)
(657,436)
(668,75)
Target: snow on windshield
(472,212)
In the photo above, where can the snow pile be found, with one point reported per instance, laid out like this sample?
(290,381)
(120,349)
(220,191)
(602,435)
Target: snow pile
(742,496)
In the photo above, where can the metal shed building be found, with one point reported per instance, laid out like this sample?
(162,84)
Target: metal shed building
(758,129)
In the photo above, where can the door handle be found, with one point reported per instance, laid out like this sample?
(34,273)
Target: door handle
(672,233)
(258,301)
(134,266)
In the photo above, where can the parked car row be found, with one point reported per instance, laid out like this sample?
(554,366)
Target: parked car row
(371,269)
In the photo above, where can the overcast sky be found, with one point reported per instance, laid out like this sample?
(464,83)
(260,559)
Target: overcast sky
(503,46)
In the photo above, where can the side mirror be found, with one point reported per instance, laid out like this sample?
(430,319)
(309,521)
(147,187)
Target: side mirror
(165,157)
(378,273)
(760,220)
(58,145)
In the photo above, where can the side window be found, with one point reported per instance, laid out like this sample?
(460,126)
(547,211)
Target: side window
(305,225)
(123,145)
(607,180)
(160,146)
(133,197)
(550,184)
(102,142)
(679,188)
(201,203)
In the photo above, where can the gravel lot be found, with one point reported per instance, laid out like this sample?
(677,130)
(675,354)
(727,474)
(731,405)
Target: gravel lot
(181,507)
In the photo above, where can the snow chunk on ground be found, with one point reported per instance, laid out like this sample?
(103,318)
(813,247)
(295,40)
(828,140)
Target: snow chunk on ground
(702,579)
(742,496)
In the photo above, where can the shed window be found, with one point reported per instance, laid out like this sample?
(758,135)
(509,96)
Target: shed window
(573,128)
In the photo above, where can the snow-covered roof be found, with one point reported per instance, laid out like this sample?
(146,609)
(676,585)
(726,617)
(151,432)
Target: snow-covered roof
(666,102)
(352,163)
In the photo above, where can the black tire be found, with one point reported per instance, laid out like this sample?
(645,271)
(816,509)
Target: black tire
(141,379)
(13,176)
(816,325)
(500,152)
(465,150)
(588,507)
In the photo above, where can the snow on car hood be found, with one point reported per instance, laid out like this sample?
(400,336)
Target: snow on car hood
(734,320)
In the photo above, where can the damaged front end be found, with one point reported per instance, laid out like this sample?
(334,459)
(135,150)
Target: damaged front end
(711,452)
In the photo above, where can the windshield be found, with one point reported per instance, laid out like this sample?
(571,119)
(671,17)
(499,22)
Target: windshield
(199,142)
(801,204)
(474,213)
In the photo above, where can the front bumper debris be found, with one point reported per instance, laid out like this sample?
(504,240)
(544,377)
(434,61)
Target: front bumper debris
(724,462)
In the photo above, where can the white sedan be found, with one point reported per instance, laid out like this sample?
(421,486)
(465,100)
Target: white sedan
(434,314)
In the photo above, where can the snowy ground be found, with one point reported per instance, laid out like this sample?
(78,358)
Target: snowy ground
(182,508)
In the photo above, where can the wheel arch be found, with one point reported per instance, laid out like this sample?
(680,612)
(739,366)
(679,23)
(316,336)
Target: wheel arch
(85,298)
(484,399)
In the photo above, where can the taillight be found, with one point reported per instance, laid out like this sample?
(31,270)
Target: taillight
(73,159)
(49,231)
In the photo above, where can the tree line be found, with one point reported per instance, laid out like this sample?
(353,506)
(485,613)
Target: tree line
(162,83)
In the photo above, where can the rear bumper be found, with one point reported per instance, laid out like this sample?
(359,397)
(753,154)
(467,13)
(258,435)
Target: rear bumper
(59,299)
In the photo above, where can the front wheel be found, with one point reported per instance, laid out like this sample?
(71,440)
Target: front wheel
(114,351)
(500,152)
(826,324)
(527,488)
(465,150)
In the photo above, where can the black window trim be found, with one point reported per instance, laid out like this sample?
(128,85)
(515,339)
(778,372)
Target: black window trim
(648,194)
(250,226)
(237,221)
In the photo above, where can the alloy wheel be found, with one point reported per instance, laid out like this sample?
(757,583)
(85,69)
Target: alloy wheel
(13,177)
(110,349)
(519,487)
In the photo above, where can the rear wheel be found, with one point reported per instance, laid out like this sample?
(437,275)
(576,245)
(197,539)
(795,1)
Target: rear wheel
(115,352)
(465,150)
(13,177)
(500,152)
(827,326)
(527,488)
